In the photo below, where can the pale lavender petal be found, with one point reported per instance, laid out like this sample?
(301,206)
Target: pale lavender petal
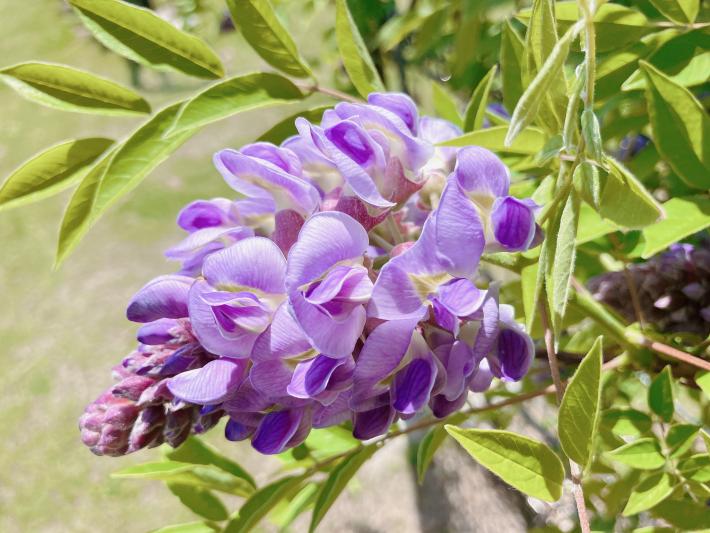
(284,338)
(482,378)
(163,297)
(400,104)
(207,214)
(489,324)
(199,239)
(459,365)
(325,239)
(513,223)
(460,236)
(271,377)
(480,172)
(281,157)
(210,384)
(461,297)
(157,332)
(333,414)
(254,263)
(246,400)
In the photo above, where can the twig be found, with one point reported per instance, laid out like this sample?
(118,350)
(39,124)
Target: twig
(328,91)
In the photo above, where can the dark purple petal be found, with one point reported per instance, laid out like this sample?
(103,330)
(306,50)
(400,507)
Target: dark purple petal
(480,172)
(207,214)
(311,377)
(163,297)
(210,384)
(236,431)
(513,223)
(275,430)
(412,386)
(441,407)
(370,424)
(515,353)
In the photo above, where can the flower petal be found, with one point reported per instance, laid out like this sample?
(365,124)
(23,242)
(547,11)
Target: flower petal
(210,384)
(461,297)
(513,223)
(480,172)
(400,104)
(163,297)
(158,331)
(275,430)
(311,377)
(370,424)
(515,353)
(255,263)
(208,214)
(283,339)
(412,385)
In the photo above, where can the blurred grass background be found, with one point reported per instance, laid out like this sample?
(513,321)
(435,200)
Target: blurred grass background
(61,331)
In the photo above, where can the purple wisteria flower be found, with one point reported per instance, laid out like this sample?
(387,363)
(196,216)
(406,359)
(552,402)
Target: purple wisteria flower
(341,286)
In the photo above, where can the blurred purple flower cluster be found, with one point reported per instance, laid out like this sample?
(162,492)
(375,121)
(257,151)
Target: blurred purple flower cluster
(278,318)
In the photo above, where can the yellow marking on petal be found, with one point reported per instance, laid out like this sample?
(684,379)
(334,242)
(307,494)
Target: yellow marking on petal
(428,284)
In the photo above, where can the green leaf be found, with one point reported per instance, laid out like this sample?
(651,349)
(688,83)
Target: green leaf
(626,422)
(684,216)
(615,25)
(561,249)
(588,183)
(298,504)
(196,451)
(579,410)
(71,89)
(512,50)
(431,442)
(261,503)
(683,514)
(680,127)
(660,395)
(287,127)
(530,141)
(258,23)
(190,527)
(141,35)
(592,135)
(115,174)
(203,476)
(356,59)
(625,201)
(651,491)
(696,468)
(445,104)
(330,441)
(476,108)
(233,96)
(680,11)
(337,481)
(529,104)
(528,465)
(644,454)
(703,381)
(680,438)
(51,171)
(530,291)
(200,501)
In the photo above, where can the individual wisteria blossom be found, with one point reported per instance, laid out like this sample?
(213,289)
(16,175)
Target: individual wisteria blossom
(341,286)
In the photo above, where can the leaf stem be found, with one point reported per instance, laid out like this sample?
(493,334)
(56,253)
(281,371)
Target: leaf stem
(334,93)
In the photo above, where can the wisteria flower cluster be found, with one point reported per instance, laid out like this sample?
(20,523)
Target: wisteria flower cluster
(338,287)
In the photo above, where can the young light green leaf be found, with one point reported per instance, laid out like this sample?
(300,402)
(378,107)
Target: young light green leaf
(703,381)
(141,35)
(680,438)
(561,249)
(203,476)
(528,465)
(589,183)
(304,499)
(476,108)
(529,104)
(660,395)
(696,468)
(579,410)
(71,89)
(261,503)
(531,292)
(625,201)
(325,442)
(680,127)
(651,491)
(684,216)
(51,171)
(445,104)
(356,58)
(115,174)
(530,141)
(626,422)
(258,23)
(512,50)
(337,481)
(680,11)
(287,127)
(643,454)
(683,514)
(615,25)
(200,501)
(233,96)
(190,527)
(591,134)
(196,451)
